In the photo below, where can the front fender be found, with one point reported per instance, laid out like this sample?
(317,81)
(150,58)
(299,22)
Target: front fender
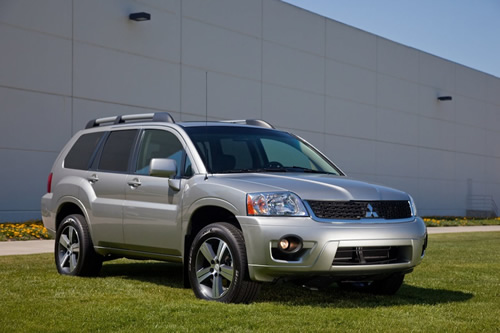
(206,202)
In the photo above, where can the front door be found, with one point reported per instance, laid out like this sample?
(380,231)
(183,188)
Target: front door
(152,212)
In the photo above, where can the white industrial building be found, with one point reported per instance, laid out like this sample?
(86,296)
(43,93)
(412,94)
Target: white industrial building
(369,103)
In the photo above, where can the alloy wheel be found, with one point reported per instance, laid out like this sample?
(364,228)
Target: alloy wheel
(69,249)
(214,268)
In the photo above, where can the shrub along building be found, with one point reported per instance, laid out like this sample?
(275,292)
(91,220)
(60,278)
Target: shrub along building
(372,105)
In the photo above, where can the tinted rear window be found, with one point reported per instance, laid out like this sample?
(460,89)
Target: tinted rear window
(117,150)
(79,157)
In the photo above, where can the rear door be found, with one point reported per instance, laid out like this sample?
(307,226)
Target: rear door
(107,178)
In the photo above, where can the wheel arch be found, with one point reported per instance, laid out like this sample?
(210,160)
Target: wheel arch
(199,218)
(206,215)
(205,211)
(68,206)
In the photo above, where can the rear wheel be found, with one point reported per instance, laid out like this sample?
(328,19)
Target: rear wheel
(74,251)
(217,265)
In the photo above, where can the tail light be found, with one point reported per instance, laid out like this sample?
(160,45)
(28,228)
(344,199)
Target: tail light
(49,183)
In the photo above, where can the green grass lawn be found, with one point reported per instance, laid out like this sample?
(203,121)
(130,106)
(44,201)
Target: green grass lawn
(455,289)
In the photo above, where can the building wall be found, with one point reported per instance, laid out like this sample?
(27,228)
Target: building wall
(367,102)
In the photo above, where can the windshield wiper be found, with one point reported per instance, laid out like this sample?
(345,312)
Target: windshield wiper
(254,170)
(302,169)
(280,169)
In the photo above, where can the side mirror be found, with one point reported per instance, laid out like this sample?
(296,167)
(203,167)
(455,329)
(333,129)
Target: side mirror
(163,167)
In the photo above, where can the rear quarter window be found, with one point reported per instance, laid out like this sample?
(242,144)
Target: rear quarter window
(80,155)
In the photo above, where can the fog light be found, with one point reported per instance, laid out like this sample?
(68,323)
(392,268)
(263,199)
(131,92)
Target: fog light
(284,244)
(290,244)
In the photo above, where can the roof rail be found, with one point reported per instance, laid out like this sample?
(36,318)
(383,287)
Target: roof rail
(253,122)
(154,117)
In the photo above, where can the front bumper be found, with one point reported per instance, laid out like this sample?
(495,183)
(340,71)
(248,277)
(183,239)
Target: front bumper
(321,241)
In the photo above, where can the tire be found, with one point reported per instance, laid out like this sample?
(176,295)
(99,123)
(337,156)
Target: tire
(74,251)
(217,265)
(387,286)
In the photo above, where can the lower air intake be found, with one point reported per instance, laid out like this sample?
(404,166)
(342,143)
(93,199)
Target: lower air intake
(377,255)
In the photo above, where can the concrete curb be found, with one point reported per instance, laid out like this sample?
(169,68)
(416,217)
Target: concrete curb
(47,246)
(26,247)
(450,230)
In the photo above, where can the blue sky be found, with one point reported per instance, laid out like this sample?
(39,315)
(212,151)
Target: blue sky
(463,31)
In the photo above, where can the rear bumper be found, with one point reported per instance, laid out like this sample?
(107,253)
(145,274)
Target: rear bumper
(48,216)
(321,241)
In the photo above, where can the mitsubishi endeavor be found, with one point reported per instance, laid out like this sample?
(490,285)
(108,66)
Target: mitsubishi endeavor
(237,203)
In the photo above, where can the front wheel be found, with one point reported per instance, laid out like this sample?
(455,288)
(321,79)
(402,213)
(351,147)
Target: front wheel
(74,251)
(217,265)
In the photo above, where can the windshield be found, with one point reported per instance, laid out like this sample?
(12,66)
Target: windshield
(230,149)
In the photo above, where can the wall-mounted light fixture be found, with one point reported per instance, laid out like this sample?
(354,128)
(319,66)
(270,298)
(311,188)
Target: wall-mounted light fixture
(445,98)
(138,17)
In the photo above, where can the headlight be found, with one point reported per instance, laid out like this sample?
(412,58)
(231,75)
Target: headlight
(275,203)
(413,207)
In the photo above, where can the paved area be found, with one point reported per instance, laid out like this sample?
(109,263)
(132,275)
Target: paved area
(449,230)
(47,246)
(26,247)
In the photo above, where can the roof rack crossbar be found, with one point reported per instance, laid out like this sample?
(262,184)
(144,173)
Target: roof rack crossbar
(154,117)
(253,122)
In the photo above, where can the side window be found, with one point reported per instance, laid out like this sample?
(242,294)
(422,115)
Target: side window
(159,144)
(80,155)
(188,168)
(117,150)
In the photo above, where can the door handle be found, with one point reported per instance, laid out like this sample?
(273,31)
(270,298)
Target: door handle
(134,182)
(92,179)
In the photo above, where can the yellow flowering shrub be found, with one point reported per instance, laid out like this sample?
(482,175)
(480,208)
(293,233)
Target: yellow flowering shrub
(459,221)
(23,231)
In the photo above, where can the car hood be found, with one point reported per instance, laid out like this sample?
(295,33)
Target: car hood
(310,186)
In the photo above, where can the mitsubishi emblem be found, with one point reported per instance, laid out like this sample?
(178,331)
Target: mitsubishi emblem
(370,213)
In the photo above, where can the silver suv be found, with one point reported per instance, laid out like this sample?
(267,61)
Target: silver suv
(237,203)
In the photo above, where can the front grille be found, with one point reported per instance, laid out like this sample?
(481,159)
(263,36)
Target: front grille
(355,210)
(376,255)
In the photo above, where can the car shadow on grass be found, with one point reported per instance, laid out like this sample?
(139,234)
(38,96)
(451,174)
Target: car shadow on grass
(288,293)
(161,273)
(333,296)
